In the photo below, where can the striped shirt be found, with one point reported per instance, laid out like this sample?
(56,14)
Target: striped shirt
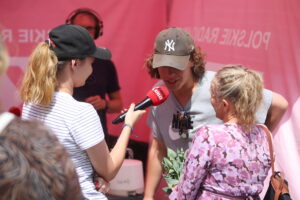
(78,128)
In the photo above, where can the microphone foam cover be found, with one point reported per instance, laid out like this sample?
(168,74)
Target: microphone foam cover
(158,95)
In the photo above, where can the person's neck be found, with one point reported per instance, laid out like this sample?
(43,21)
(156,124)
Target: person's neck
(184,94)
(66,90)
(65,83)
(65,87)
(229,118)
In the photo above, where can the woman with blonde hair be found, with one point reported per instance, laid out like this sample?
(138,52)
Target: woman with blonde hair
(55,68)
(24,171)
(229,160)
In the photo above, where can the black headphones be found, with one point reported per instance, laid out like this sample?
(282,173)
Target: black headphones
(90,12)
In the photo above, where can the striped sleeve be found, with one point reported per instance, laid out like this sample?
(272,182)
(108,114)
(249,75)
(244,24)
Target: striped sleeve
(86,128)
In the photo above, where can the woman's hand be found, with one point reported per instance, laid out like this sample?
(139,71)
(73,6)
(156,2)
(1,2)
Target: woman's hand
(133,116)
(101,185)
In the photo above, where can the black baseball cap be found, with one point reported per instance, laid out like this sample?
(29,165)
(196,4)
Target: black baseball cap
(72,41)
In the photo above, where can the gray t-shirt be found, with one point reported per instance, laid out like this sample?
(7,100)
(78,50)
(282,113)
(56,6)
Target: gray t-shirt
(161,118)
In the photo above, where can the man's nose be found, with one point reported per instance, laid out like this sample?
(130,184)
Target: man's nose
(171,71)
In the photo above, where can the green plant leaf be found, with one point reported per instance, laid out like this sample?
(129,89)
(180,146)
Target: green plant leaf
(167,190)
(173,165)
(171,153)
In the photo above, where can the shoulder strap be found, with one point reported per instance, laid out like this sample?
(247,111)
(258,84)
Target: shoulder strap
(269,137)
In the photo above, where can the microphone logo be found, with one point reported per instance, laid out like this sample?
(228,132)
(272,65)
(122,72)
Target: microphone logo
(158,93)
(155,97)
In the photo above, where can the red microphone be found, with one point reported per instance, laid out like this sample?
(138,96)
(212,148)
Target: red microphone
(155,96)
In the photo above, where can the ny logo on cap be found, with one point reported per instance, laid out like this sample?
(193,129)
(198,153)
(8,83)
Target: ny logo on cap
(169,45)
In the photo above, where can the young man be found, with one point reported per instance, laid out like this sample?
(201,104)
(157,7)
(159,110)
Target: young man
(180,66)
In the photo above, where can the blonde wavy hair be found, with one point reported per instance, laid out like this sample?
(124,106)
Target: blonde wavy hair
(197,57)
(39,82)
(243,88)
(3,57)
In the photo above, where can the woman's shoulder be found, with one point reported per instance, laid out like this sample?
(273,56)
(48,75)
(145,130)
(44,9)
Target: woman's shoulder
(218,130)
(69,104)
(210,130)
(212,127)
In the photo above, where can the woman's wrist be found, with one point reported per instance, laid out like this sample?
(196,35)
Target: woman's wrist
(130,127)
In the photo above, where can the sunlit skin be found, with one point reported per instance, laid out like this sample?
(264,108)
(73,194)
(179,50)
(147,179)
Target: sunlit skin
(177,80)
(217,105)
(180,82)
(223,108)
(82,70)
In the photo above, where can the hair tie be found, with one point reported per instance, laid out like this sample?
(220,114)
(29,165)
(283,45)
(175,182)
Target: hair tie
(50,43)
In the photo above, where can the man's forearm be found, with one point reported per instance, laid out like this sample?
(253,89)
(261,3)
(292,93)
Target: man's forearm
(154,173)
(113,106)
(154,168)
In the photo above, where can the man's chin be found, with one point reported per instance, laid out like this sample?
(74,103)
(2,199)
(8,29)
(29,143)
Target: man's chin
(171,86)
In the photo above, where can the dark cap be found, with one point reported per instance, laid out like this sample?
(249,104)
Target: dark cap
(173,47)
(72,41)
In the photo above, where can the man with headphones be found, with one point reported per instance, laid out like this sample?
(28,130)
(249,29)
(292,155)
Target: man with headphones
(102,88)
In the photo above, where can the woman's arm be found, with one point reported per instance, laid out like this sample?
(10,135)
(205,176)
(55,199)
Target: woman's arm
(106,163)
(195,167)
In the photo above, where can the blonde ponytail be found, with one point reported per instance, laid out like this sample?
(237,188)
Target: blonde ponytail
(3,57)
(39,82)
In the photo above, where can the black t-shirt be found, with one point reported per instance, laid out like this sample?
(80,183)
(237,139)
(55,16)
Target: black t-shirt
(102,81)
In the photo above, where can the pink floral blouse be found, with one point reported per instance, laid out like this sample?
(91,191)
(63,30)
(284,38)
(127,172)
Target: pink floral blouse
(224,160)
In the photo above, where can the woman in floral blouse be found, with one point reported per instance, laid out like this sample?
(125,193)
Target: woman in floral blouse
(230,160)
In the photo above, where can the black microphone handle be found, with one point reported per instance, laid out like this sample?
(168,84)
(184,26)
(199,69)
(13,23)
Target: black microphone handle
(141,106)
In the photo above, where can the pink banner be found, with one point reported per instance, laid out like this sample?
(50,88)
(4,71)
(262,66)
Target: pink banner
(127,33)
(263,35)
